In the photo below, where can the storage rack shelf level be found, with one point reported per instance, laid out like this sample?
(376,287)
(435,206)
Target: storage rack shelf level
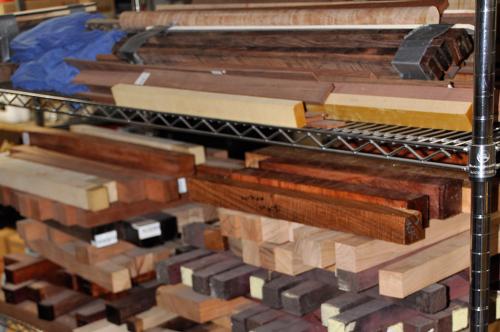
(434,147)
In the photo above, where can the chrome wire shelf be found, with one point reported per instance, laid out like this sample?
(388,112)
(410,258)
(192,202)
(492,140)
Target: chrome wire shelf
(441,148)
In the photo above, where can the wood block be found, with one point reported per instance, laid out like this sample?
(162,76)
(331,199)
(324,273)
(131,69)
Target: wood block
(450,115)
(261,229)
(232,283)
(88,254)
(95,148)
(40,290)
(35,268)
(141,232)
(358,253)
(432,264)
(214,240)
(15,244)
(194,306)
(278,112)
(92,312)
(405,227)
(135,301)
(17,293)
(263,318)
(198,151)
(318,249)
(189,213)
(187,269)
(130,185)
(288,260)
(306,297)
(148,319)
(430,299)
(61,303)
(341,303)
(193,234)
(239,319)
(267,257)
(445,193)
(457,286)
(102,326)
(285,323)
(235,246)
(271,292)
(230,225)
(169,271)
(202,278)
(418,324)
(369,316)
(258,280)
(336,189)
(250,252)
(4,234)
(68,187)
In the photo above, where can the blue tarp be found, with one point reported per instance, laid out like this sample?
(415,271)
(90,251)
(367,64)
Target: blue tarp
(41,52)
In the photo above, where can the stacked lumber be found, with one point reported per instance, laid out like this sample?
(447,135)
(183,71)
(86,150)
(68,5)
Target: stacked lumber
(397,12)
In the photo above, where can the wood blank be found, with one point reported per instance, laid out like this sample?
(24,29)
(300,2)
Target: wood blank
(384,223)
(277,112)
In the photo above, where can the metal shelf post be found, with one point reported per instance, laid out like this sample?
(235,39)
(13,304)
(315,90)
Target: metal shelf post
(482,161)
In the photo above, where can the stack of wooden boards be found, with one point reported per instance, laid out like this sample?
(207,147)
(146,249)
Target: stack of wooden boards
(300,240)
(293,75)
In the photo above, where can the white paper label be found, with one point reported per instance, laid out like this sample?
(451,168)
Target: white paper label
(26,138)
(143,77)
(105,239)
(149,230)
(182,185)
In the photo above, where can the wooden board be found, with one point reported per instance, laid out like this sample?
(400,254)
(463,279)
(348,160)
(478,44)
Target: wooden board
(198,151)
(185,302)
(387,224)
(426,113)
(356,253)
(128,155)
(76,189)
(110,276)
(336,189)
(445,194)
(315,16)
(427,266)
(314,92)
(277,112)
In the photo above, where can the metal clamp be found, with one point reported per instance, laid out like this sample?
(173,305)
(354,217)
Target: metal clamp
(128,51)
(411,52)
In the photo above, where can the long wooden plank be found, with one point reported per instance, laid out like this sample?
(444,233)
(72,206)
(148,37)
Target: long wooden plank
(336,189)
(76,189)
(357,253)
(277,112)
(244,4)
(359,218)
(428,266)
(314,92)
(106,274)
(128,155)
(310,16)
(130,187)
(198,151)
(426,113)
(444,194)
(185,302)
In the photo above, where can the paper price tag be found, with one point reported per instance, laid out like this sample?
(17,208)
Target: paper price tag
(143,77)
(147,231)
(182,185)
(105,239)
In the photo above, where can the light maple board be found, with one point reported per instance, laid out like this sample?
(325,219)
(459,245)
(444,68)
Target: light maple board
(267,111)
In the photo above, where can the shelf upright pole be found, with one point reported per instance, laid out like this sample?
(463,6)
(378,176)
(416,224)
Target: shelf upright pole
(482,162)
